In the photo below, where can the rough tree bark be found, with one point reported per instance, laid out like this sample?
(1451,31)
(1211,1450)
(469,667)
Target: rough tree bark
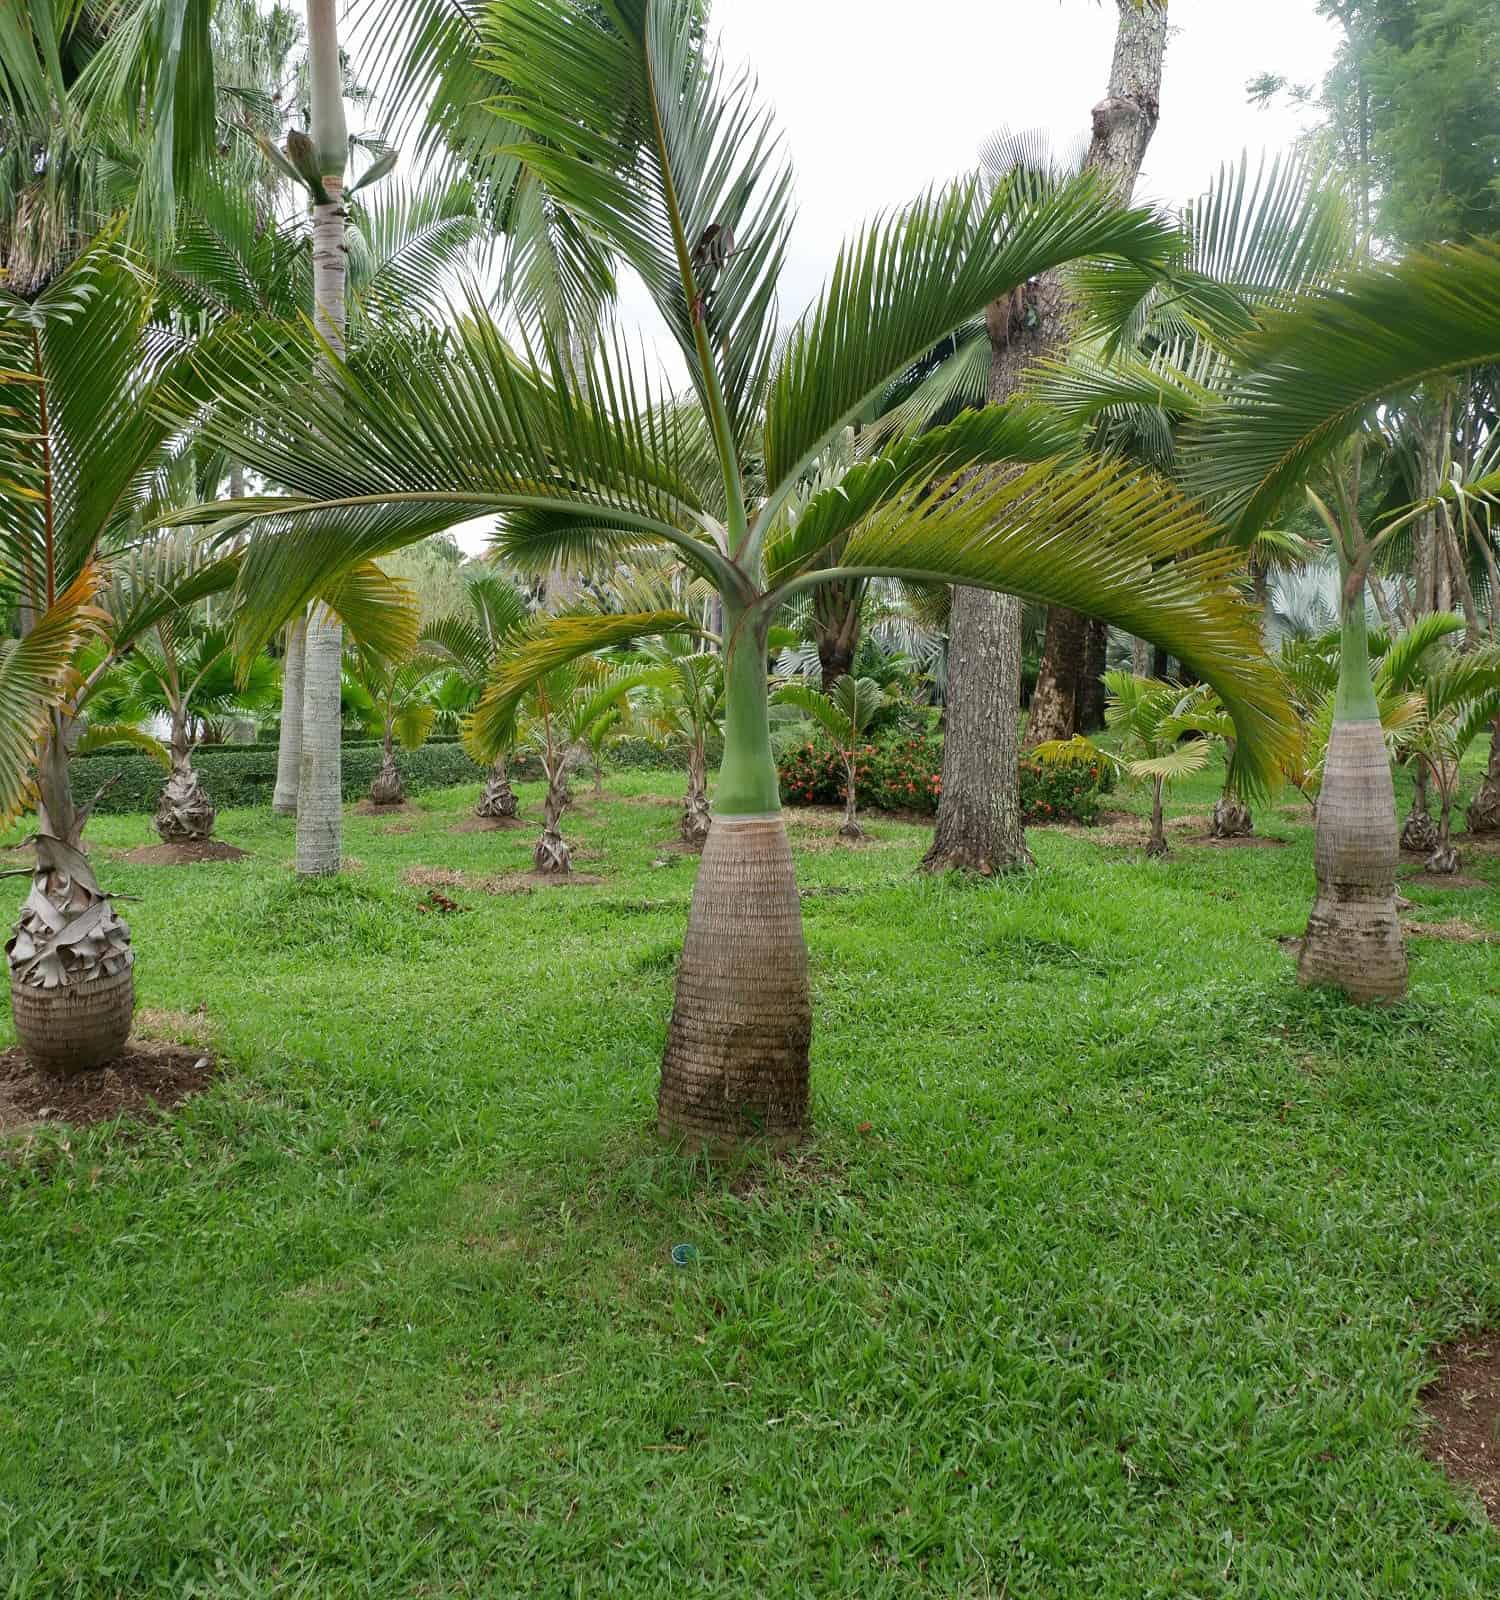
(1484,808)
(498,799)
(184,813)
(72,970)
(1124,122)
(1095,663)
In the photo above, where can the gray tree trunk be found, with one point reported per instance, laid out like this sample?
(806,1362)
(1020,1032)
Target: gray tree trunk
(979,814)
(289,750)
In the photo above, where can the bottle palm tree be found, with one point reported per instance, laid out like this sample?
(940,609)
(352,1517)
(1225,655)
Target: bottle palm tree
(845,716)
(638,131)
(1304,392)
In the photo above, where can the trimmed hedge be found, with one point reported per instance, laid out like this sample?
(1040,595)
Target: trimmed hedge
(632,753)
(905,773)
(245,775)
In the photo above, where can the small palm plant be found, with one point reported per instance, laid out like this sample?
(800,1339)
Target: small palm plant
(471,641)
(182,672)
(846,716)
(1150,718)
(558,716)
(1203,713)
(399,708)
(684,703)
(1459,698)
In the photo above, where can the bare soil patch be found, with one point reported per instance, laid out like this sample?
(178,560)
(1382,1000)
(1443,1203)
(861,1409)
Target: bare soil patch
(1440,880)
(679,847)
(1455,930)
(497,883)
(402,808)
(487,825)
(1249,841)
(823,818)
(1463,1410)
(152,1076)
(190,853)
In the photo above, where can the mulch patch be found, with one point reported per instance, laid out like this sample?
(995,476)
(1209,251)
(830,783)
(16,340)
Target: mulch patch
(152,1076)
(489,825)
(188,854)
(402,808)
(1463,1408)
(1249,841)
(819,818)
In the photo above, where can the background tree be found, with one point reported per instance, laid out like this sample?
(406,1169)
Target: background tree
(684,703)
(395,701)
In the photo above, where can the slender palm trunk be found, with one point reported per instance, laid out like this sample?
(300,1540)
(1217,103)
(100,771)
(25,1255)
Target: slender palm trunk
(695,812)
(1353,937)
(736,1062)
(320,789)
(551,854)
(851,828)
(1156,845)
(289,748)
(1484,808)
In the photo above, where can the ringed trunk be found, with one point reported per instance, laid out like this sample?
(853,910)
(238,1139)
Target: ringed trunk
(1353,937)
(736,1061)
(320,791)
(289,747)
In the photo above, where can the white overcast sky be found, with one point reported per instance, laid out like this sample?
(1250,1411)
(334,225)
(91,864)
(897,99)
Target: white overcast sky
(879,98)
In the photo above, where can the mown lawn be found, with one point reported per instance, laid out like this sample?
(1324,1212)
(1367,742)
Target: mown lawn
(1112,1270)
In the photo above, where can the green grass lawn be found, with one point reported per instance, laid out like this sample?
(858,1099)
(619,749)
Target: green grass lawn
(1111,1272)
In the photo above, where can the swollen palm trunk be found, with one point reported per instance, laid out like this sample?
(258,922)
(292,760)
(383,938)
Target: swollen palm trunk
(1231,819)
(1353,937)
(499,799)
(736,1063)
(695,813)
(551,854)
(386,788)
(72,983)
(184,814)
(1484,808)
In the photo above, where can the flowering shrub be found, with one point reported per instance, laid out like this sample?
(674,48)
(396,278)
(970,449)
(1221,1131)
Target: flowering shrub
(905,773)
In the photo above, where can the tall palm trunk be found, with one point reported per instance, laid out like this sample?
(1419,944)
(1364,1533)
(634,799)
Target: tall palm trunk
(1124,122)
(1484,808)
(320,789)
(1353,937)
(289,747)
(736,1062)
(978,825)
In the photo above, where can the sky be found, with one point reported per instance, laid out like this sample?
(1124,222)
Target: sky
(877,99)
